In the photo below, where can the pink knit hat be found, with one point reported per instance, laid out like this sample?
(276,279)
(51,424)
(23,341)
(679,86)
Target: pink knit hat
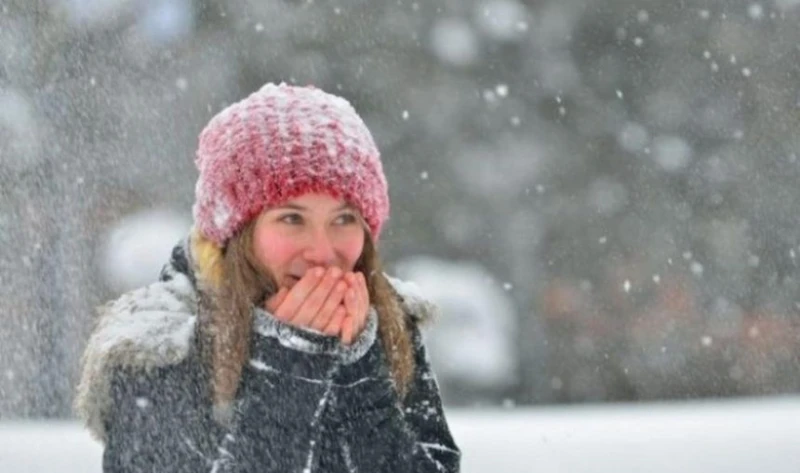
(280,143)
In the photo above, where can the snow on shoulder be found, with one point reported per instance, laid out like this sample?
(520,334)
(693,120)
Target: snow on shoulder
(413,300)
(145,328)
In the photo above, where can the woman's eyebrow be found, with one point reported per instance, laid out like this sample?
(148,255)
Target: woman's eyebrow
(292,206)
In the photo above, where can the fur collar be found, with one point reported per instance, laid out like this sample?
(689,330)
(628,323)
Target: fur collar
(412,300)
(154,326)
(144,329)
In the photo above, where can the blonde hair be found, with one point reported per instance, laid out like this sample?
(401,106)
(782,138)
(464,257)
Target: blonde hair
(232,283)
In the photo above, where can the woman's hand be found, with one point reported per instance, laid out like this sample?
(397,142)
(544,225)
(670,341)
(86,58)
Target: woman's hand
(326,300)
(315,302)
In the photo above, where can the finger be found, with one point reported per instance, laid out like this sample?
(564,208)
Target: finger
(298,294)
(334,327)
(355,317)
(364,294)
(363,304)
(350,327)
(351,303)
(325,313)
(350,279)
(316,299)
(347,330)
(272,304)
(361,293)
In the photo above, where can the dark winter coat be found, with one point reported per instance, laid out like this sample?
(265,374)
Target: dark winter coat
(306,403)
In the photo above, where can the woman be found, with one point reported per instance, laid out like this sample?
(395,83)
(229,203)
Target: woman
(272,342)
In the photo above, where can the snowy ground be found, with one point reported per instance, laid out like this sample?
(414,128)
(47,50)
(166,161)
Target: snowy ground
(730,437)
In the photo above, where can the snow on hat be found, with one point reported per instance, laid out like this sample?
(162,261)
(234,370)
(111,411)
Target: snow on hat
(277,144)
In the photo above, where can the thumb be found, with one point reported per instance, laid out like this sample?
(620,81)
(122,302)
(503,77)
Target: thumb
(276,300)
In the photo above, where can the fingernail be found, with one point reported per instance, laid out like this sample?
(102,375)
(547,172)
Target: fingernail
(318,272)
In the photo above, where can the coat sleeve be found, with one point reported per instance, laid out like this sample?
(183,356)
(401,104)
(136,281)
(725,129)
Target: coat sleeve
(376,433)
(286,386)
(153,423)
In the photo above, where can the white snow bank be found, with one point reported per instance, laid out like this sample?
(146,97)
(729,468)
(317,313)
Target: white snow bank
(698,437)
(729,437)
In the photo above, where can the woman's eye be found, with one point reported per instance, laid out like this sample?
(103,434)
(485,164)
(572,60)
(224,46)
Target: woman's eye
(292,219)
(346,219)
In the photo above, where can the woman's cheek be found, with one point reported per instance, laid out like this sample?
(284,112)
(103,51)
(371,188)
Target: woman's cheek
(283,252)
(353,252)
(276,255)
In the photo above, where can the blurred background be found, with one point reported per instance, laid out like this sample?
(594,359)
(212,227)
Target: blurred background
(600,195)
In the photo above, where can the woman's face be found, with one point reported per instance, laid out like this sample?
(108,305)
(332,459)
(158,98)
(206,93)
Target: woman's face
(308,231)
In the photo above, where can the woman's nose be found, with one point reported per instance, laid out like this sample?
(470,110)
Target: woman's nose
(320,250)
